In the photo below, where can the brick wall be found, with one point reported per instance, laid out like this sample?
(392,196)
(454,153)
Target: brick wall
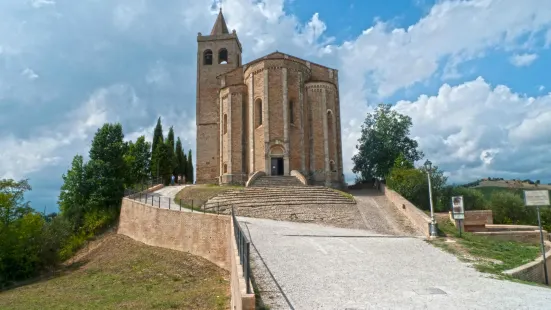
(417,217)
(204,235)
(532,271)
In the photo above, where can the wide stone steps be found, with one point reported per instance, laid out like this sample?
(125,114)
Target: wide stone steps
(266,181)
(277,196)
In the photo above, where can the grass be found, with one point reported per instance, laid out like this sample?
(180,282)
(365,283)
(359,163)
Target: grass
(121,273)
(197,195)
(487,255)
(344,194)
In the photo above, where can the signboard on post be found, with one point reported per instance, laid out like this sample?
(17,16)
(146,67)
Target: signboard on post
(537,198)
(458,210)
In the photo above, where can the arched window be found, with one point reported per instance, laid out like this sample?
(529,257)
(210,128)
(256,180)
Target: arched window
(225,123)
(223,56)
(291,112)
(258,113)
(207,57)
(225,168)
(332,166)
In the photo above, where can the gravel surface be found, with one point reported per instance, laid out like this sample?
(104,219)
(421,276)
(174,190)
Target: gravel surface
(320,267)
(162,197)
(379,215)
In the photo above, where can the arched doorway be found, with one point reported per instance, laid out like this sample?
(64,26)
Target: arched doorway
(276,160)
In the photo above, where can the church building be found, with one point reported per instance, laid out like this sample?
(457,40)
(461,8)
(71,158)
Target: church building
(275,114)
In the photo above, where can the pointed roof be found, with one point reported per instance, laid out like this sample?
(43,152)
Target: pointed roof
(220,26)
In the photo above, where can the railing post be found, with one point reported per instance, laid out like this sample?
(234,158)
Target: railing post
(247,267)
(169,203)
(192,206)
(159,202)
(180,204)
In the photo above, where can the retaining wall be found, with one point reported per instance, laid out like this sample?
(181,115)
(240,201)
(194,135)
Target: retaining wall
(533,271)
(417,217)
(207,235)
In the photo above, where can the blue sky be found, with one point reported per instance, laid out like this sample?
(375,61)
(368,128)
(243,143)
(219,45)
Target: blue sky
(473,75)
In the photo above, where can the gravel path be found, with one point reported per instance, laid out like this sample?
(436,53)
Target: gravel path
(379,215)
(164,198)
(320,267)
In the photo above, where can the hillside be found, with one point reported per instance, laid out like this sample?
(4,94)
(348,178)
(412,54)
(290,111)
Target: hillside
(120,273)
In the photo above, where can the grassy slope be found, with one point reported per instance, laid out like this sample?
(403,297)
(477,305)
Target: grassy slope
(487,255)
(199,194)
(124,274)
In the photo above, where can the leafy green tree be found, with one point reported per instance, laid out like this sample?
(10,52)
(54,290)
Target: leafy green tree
(137,159)
(74,193)
(12,204)
(384,136)
(473,199)
(189,170)
(508,208)
(106,168)
(20,233)
(157,138)
(412,184)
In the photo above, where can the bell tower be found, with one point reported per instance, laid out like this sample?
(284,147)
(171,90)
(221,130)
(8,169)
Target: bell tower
(217,53)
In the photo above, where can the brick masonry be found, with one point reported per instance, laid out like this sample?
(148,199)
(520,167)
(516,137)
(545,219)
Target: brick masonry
(277,106)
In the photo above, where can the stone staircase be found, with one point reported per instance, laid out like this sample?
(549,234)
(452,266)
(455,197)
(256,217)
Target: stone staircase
(277,196)
(277,181)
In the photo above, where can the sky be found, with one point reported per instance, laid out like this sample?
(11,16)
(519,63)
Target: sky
(472,75)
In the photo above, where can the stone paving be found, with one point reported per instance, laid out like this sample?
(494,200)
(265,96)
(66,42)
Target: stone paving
(309,266)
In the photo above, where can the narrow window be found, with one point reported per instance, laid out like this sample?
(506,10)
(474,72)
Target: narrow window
(258,112)
(225,123)
(291,112)
(207,57)
(223,56)
(332,166)
(225,168)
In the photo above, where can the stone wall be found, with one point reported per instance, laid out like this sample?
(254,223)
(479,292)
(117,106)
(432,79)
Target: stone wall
(207,235)
(533,271)
(418,218)
(204,235)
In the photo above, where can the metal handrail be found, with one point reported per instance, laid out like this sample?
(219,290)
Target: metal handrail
(243,249)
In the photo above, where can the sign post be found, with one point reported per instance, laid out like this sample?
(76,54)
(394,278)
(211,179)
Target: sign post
(458,211)
(538,198)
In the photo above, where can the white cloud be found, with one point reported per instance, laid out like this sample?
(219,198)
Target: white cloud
(42,3)
(522,60)
(150,47)
(541,88)
(56,144)
(481,130)
(29,74)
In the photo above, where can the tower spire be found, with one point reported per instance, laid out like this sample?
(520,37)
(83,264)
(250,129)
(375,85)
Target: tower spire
(220,26)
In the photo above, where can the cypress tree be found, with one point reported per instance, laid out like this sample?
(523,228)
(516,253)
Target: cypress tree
(180,159)
(189,176)
(171,150)
(157,139)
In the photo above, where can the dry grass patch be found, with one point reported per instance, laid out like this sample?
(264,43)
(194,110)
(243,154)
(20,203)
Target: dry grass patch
(121,273)
(199,194)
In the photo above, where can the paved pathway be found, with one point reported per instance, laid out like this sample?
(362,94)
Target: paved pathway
(164,198)
(380,216)
(319,267)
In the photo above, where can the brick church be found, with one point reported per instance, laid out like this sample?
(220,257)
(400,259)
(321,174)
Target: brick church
(275,114)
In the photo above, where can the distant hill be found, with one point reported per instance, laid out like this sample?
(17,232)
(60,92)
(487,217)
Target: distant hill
(512,184)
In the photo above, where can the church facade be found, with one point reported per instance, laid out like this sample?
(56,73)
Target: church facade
(274,114)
